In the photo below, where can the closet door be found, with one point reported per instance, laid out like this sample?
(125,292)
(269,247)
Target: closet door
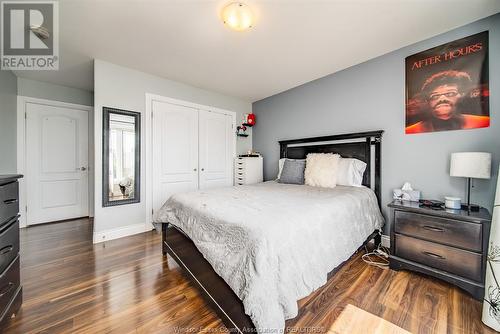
(175,151)
(216,150)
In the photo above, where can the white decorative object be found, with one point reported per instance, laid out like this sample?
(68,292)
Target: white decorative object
(321,170)
(248,170)
(407,187)
(406,193)
(491,304)
(452,202)
(127,187)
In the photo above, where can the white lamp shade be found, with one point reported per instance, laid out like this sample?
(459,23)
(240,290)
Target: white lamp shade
(471,164)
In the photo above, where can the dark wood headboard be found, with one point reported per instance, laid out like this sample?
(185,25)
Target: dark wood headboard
(349,145)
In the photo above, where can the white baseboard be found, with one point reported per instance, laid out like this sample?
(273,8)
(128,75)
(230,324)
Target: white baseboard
(119,232)
(386,241)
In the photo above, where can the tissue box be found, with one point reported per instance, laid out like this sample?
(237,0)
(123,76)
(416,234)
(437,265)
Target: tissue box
(406,195)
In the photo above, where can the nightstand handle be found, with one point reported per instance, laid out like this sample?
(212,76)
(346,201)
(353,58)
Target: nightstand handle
(6,249)
(436,256)
(433,229)
(6,289)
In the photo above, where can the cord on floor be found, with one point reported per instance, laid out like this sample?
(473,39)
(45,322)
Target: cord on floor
(378,257)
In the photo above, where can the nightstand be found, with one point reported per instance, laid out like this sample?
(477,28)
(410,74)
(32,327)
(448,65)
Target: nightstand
(451,245)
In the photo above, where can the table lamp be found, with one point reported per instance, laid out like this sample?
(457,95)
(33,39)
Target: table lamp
(471,165)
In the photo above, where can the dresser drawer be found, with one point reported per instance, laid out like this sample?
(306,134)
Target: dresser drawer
(9,201)
(9,243)
(450,232)
(9,283)
(453,260)
(239,180)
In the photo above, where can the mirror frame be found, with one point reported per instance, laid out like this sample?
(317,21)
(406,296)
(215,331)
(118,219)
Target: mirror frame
(106,111)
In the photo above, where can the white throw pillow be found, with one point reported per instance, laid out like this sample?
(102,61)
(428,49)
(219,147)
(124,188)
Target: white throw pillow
(321,170)
(350,172)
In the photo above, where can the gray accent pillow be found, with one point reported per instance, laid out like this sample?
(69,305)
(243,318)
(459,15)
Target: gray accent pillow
(293,172)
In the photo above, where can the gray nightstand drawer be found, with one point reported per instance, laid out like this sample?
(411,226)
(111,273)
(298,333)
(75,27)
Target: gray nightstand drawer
(9,284)
(9,243)
(453,260)
(9,201)
(445,231)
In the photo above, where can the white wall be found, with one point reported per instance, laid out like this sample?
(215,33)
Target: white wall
(49,91)
(119,87)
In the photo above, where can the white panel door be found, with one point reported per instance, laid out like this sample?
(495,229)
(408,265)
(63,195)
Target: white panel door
(175,151)
(56,163)
(216,150)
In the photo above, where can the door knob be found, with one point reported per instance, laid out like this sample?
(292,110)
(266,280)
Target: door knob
(82,168)
(194,169)
(202,169)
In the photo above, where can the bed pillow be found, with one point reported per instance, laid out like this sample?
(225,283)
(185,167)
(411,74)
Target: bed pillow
(293,172)
(350,172)
(321,170)
(280,165)
(281,162)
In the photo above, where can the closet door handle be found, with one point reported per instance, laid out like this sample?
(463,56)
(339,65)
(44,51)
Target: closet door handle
(195,169)
(203,169)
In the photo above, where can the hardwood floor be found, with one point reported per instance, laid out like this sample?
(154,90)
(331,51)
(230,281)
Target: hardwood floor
(126,286)
(354,320)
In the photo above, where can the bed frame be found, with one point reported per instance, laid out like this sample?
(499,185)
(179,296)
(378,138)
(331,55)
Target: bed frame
(215,290)
(350,145)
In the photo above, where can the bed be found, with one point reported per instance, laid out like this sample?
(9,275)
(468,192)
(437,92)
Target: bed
(255,250)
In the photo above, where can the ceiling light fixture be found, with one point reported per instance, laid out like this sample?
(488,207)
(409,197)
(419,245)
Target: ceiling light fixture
(237,16)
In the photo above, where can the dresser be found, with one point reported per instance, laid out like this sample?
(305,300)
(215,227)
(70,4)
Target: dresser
(451,245)
(248,170)
(10,283)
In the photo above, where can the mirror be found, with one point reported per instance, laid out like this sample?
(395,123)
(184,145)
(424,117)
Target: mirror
(121,157)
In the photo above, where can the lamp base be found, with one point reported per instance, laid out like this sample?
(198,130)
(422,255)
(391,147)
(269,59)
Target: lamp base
(472,207)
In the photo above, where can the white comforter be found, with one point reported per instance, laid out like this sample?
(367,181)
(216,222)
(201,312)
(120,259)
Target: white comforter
(274,243)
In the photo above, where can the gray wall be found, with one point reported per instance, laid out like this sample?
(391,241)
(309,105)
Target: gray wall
(8,120)
(45,90)
(370,96)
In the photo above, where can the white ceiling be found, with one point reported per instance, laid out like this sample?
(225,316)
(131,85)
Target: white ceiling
(293,41)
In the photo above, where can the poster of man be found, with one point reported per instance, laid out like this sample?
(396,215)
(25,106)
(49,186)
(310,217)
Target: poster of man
(447,87)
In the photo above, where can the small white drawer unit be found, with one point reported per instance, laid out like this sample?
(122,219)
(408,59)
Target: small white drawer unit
(248,170)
